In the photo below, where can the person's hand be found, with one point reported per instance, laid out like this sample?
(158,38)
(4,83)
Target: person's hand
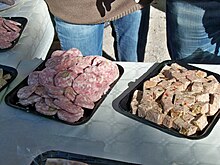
(8,2)
(103,6)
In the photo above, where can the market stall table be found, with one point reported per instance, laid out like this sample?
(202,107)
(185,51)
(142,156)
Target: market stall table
(35,40)
(108,134)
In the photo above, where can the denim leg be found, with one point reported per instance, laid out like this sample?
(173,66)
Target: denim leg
(87,38)
(193,28)
(131,35)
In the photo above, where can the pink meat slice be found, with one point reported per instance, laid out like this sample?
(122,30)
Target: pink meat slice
(50,103)
(30,100)
(26,91)
(54,90)
(91,85)
(44,109)
(84,101)
(33,78)
(5,44)
(64,78)
(46,77)
(68,106)
(70,93)
(69,117)
(9,36)
(12,25)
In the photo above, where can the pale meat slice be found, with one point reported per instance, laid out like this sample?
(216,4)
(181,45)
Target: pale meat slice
(149,84)
(197,87)
(200,121)
(188,117)
(214,104)
(184,98)
(154,116)
(188,129)
(202,97)
(146,106)
(26,91)
(44,109)
(168,121)
(30,100)
(167,100)
(157,91)
(178,67)
(84,101)
(200,108)
(211,85)
(69,117)
(135,101)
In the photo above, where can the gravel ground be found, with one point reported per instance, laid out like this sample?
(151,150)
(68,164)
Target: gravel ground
(156,48)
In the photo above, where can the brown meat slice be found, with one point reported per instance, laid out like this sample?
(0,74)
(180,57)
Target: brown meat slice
(154,116)
(149,84)
(135,101)
(167,100)
(26,91)
(146,106)
(69,117)
(200,121)
(84,101)
(44,109)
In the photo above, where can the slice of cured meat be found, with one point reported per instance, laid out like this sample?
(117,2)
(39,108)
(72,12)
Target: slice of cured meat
(44,109)
(46,77)
(70,93)
(26,91)
(64,78)
(30,100)
(69,117)
(84,101)
(33,78)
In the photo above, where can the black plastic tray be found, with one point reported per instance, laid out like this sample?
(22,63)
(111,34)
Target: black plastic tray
(122,103)
(23,21)
(42,158)
(8,70)
(11,99)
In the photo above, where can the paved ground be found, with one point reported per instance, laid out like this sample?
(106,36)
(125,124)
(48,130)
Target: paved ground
(156,49)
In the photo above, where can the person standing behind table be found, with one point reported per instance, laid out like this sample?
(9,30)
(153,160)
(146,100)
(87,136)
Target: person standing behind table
(80,24)
(193,30)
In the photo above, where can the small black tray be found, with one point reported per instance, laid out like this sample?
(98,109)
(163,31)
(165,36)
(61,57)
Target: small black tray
(122,103)
(8,70)
(23,21)
(42,159)
(11,99)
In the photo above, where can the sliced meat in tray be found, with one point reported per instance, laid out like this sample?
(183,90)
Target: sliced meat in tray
(70,95)
(11,29)
(174,97)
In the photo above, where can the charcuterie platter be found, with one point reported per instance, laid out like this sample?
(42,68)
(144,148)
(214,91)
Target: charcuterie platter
(176,98)
(67,87)
(11,31)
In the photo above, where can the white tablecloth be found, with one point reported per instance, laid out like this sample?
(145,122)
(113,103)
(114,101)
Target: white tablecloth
(108,134)
(35,40)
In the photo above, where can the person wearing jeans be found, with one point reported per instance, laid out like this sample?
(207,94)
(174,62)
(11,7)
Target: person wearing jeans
(193,30)
(129,20)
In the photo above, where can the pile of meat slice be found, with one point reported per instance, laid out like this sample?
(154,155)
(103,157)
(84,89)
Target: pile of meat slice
(68,83)
(178,98)
(9,31)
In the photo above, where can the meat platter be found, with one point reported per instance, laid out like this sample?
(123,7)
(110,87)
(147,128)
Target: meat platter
(61,157)
(67,87)
(11,30)
(176,98)
(7,75)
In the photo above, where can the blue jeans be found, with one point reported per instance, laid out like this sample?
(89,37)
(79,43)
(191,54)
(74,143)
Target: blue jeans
(130,34)
(193,30)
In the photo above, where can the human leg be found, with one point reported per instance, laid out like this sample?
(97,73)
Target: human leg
(87,38)
(130,33)
(193,27)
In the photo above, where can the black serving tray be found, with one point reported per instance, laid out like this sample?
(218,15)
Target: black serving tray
(122,103)
(42,159)
(8,70)
(23,21)
(11,99)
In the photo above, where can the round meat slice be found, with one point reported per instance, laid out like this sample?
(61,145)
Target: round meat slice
(46,76)
(64,78)
(30,100)
(67,105)
(57,53)
(44,109)
(70,93)
(50,103)
(84,101)
(26,91)
(54,91)
(91,85)
(69,117)
(33,78)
